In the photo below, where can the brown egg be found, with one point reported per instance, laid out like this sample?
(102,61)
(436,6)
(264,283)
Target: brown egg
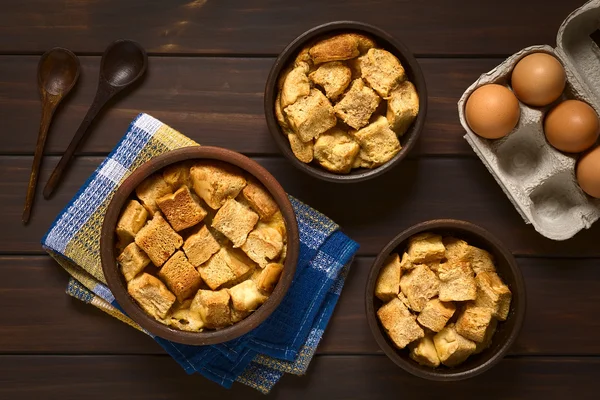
(588,173)
(492,111)
(538,79)
(572,126)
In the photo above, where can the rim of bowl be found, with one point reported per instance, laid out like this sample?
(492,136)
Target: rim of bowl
(395,46)
(517,311)
(116,281)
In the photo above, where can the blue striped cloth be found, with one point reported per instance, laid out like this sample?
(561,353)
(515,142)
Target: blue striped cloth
(284,343)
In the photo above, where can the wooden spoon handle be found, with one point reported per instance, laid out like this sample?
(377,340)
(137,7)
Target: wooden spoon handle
(47,112)
(101,99)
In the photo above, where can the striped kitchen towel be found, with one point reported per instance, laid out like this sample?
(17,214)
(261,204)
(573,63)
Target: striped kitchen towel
(284,343)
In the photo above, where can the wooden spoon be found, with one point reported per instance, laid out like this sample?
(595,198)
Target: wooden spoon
(123,63)
(58,71)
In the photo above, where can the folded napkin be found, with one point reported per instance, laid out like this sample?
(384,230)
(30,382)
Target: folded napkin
(285,342)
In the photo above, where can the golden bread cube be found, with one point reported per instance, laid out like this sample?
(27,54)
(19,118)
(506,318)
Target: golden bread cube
(382,71)
(334,77)
(263,245)
(180,276)
(425,248)
(130,222)
(132,261)
(295,85)
(452,348)
(260,199)
(473,322)
(235,221)
(152,188)
(457,282)
(405,263)
(492,293)
(200,246)
(184,319)
(378,143)
(213,308)
(335,150)
(402,107)
(177,175)
(423,351)
(336,48)
(181,209)
(280,117)
(158,240)
(216,182)
(223,268)
(304,151)
(246,296)
(387,286)
(481,260)
(151,294)
(357,105)
(487,338)
(310,115)
(399,323)
(436,314)
(419,285)
(268,278)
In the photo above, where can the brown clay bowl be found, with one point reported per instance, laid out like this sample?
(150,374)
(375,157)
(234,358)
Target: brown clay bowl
(116,281)
(385,41)
(507,331)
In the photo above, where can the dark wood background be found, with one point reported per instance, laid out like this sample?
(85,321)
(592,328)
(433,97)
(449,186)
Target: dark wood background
(209,60)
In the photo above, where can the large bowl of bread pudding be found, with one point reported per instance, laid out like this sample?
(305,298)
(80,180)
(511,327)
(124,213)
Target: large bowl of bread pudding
(345,101)
(199,245)
(445,300)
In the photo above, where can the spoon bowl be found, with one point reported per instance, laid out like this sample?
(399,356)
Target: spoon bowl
(123,63)
(58,71)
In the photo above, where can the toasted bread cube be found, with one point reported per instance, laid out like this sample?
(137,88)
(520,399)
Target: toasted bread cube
(276,222)
(151,294)
(303,57)
(405,263)
(336,48)
(235,221)
(473,322)
(451,347)
(481,260)
(435,314)
(184,319)
(133,261)
(151,189)
(402,107)
(240,264)
(215,182)
(457,282)
(402,297)
(387,286)
(310,116)
(333,76)
(399,323)
(364,42)
(357,105)
(237,316)
(302,150)
(223,268)
(213,308)
(378,143)
(492,293)
(200,246)
(457,250)
(269,277)
(158,240)
(280,117)
(177,175)
(335,150)
(425,248)
(295,85)
(180,276)
(263,245)
(487,338)
(260,199)
(382,71)
(181,209)
(246,296)
(130,222)
(419,285)
(423,351)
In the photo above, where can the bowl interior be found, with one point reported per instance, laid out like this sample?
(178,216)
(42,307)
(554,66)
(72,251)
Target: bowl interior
(118,285)
(385,41)
(506,331)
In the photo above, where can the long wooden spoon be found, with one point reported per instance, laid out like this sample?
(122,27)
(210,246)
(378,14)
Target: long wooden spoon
(123,63)
(58,71)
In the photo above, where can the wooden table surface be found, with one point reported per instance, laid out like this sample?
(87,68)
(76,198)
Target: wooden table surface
(208,62)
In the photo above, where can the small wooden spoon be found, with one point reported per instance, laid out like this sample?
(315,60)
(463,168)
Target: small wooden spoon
(58,71)
(123,63)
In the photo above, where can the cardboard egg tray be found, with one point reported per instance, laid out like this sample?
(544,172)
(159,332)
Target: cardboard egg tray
(538,179)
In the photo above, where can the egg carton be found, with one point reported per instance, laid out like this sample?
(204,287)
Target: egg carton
(538,179)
